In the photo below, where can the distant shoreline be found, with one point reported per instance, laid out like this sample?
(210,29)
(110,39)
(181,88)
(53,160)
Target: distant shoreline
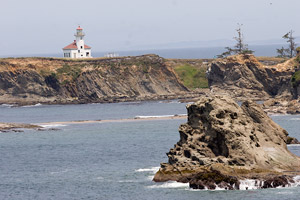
(136,119)
(7,127)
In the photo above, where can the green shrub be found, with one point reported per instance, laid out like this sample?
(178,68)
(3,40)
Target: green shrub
(295,80)
(67,70)
(45,73)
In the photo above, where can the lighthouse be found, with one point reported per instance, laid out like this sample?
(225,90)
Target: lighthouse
(77,49)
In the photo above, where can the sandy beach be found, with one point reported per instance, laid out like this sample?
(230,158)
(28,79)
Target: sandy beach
(10,126)
(116,120)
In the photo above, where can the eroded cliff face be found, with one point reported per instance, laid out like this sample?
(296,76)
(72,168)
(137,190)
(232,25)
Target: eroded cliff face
(48,80)
(223,143)
(243,76)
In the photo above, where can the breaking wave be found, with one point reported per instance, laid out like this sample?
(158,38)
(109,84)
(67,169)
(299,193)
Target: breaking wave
(51,125)
(152,169)
(29,106)
(250,184)
(158,116)
(247,184)
(171,184)
(7,105)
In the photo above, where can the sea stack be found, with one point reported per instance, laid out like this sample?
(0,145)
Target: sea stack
(223,144)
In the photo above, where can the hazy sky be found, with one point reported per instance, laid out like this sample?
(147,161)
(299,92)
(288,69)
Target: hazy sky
(43,26)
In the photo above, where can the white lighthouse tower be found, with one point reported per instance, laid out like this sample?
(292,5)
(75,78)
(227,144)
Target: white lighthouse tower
(78,49)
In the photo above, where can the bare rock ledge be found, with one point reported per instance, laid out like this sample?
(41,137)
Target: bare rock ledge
(224,143)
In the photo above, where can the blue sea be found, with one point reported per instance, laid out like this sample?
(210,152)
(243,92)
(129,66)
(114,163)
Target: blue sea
(179,53)
(104,160)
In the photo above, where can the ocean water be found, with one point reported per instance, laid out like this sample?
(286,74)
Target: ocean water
(183,53)
(115,160)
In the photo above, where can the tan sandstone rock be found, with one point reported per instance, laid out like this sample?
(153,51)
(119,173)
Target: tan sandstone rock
(223,143)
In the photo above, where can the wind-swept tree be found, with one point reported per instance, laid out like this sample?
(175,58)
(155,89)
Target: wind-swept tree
(240,47)
(291,50)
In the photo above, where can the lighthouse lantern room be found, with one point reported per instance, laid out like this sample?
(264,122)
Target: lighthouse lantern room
(78,49)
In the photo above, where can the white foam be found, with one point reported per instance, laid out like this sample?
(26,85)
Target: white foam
(59,172)
(177,102)
(7,105)
(51,125)
(127,181)
(297,181)
(250,184)
(293,145)
(295,119)
(153,170)
(157,116)
(170,184)
(29,106)
(278,115)
(246,184)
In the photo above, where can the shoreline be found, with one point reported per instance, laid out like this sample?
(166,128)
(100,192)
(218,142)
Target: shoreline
(136,119)
(181,96)
(6,127)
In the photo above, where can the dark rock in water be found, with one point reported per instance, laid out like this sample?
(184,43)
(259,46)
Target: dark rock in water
(212,179)
(223,143)
(276,182)
(48,129)
(292,140)
(17,131)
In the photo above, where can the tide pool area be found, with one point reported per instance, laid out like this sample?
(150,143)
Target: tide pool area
(105,160)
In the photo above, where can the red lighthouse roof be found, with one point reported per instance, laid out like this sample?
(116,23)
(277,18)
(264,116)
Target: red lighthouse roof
(74,46)
(79,28)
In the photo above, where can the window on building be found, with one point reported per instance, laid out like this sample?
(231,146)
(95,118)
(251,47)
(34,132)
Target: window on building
(80,47)
(87,54)
(67,55)
(78,51)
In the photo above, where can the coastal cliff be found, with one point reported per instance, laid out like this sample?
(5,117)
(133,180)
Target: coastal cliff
(243,76)
(54,80)
(223,144)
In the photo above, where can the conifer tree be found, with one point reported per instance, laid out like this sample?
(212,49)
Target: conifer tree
(240,47)
(291,50)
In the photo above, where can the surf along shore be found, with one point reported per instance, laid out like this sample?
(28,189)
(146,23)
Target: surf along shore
(4,127)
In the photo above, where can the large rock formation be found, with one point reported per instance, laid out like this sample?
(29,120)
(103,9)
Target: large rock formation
(243,76)
(223,143)
(49,80)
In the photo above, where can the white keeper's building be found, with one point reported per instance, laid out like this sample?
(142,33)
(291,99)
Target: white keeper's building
(78,49)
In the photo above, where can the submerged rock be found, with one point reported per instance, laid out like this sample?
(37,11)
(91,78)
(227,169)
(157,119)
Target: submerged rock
(223,143)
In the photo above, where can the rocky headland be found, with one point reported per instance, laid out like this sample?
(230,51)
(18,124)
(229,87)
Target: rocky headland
(60,81)
(245,77)
(222,144)
(273,81)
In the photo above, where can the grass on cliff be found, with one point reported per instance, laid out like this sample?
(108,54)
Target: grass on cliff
(71,71)
(192,77)
(64,74)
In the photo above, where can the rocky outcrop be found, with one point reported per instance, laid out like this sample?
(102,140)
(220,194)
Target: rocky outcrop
(224,143)
(15,127)
(281,106)
(243,76)
(49,80)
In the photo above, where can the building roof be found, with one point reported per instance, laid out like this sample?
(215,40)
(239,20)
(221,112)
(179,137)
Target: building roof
(79,28)
(74,46)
